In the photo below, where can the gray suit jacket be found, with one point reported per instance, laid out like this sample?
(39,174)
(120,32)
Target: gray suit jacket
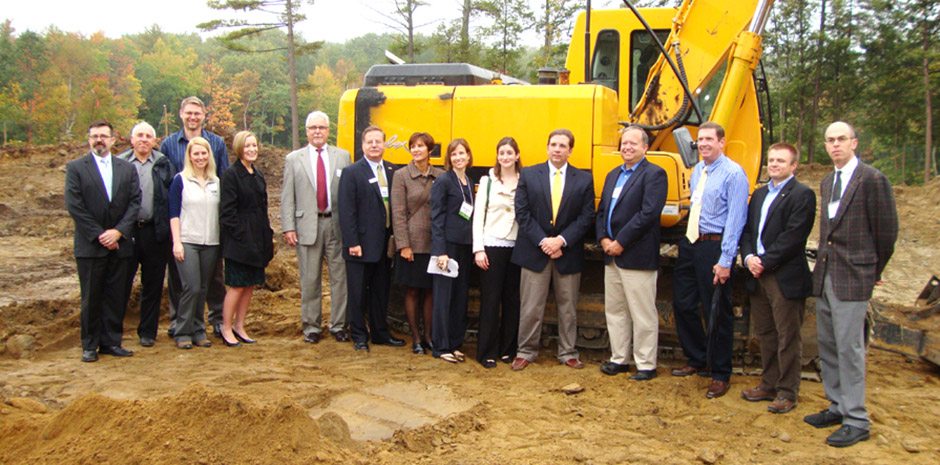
(299,194)
(856,244)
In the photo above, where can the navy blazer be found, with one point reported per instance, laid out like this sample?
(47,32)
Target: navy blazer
(362,212)
(447,226)
(789,221)
(87,202)
(534,215)
(635,219)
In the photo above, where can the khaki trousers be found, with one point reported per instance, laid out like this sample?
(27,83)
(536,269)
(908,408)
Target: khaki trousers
(630,308)
(533,290)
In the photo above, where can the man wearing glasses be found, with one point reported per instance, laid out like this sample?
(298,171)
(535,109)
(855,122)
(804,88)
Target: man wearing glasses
(309,222)
(858,225)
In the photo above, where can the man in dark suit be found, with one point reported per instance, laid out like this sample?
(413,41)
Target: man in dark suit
(102,196)
(780,218)
(858,225)
(365,222)
(152,245)
(555,210)
(627,226)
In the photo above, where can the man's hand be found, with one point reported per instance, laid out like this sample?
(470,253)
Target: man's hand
(614,249)
(109,239)
(355,251)
(291,238)
(755,265)
(551,245)
(721,274)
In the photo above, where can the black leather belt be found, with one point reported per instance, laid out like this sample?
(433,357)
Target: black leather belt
(325,215)
(141,224)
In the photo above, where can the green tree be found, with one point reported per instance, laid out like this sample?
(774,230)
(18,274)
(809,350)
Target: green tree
(510,19)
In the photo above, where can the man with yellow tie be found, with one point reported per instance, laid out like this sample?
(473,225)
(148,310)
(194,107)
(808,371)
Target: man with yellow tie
(555,210)
(702,277)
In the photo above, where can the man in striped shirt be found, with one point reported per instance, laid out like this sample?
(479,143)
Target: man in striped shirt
(706,255)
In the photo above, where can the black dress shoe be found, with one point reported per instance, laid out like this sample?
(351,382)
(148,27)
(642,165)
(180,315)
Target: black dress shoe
(644,375)
(217,330)
(391,341)
(361,346)
(147,341)
(846,436)
(116,351)
(312,338)
(823,419)
(611,368)
(489,363)
(246,340)
(341,336)
(417,349)
(232,344)
(89,356)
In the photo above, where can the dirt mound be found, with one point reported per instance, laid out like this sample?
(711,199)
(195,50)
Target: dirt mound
(198,425)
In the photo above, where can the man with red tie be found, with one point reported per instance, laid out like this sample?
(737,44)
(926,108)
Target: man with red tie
(309,222)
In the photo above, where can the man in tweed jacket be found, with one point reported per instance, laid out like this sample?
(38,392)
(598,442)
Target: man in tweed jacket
(858,225)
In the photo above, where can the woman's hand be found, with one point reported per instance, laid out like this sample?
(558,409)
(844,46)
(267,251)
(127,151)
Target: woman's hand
(178,251)
(407,254)
(481,260)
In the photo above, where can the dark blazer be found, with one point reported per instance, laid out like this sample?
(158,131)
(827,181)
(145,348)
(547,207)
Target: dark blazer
(362,212)
(534,215)
(635,219)
(856,244)
(87,202)
(162,173)
(447,226)
(245,230)
(789,221)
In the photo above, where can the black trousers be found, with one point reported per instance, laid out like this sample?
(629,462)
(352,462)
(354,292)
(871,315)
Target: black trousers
(151,257)
(103,283)
(692,302)
(367,300)
(449,323)
(499,306)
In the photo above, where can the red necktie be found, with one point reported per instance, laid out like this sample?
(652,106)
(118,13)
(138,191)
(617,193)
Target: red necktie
(322,203)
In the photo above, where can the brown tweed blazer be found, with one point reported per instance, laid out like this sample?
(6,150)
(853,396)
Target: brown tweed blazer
(856,244)
(411,208)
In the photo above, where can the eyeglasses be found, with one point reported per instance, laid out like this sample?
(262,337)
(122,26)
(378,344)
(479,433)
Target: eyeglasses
(99,137)
(318,128)
(840,139)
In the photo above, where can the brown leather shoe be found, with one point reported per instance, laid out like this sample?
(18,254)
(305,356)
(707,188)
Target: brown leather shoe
(574,363)
(687,370)
(717,389)
(519,364)
(758,393)
(781,405)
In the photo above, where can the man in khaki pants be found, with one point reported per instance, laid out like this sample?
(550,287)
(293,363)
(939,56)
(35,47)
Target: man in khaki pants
(627,224)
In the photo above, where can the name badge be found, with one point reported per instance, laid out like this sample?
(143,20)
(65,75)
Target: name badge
(697,197)
(373,180)
(466,210)
(383,191)
(616,193)
(339,172)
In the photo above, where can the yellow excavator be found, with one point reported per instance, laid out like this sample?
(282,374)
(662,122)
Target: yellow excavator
(667,69)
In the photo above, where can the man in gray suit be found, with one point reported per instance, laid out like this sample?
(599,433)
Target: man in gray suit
(309,195)
(858,225)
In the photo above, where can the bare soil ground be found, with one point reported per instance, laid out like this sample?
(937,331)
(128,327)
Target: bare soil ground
(283,401)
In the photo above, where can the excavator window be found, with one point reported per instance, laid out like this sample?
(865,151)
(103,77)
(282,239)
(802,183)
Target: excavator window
(643,53)
(606,64)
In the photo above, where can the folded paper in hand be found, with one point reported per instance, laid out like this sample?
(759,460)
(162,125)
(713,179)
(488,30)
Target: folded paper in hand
(450,272)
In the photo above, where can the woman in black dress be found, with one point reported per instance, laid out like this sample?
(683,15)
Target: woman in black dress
(246,236)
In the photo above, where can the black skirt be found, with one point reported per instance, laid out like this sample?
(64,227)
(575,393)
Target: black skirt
(241,275)
(413,274)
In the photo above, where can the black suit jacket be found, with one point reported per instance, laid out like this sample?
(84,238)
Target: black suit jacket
(87,202)
(446,223)
(362,212)
(243,217)
(534,215)
(788,224)
(635,219)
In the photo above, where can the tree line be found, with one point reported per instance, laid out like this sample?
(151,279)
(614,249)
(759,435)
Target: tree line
(870,62)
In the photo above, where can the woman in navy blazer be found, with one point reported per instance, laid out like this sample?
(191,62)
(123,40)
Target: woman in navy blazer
(451,238)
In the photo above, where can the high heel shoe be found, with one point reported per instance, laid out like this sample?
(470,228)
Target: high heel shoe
(230,344)
(243,338)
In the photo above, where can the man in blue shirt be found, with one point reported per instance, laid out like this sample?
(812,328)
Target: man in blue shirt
(706,255)
(193,116)
(780,218)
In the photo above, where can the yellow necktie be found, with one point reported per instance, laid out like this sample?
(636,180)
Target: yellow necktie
(556,194)
(695,213)
(380,173)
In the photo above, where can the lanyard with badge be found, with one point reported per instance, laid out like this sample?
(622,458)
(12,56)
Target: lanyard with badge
(466,209)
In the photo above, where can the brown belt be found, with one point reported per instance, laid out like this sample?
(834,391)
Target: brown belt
(709,237)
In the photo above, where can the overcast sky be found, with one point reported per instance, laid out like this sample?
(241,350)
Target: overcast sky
(329,20)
